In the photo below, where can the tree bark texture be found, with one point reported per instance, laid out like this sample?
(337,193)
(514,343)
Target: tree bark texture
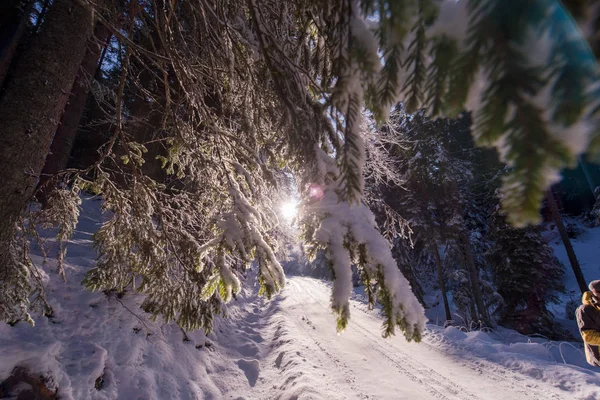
(472,309)
(440,271)
(32,102)
(474,278)
(62,144)
(13,24)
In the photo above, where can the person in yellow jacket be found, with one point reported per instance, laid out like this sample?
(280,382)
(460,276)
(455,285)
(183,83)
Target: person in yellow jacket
(588,320)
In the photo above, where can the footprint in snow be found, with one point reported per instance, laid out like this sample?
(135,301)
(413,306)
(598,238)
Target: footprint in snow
(279,359)
(251,370)
(249,350)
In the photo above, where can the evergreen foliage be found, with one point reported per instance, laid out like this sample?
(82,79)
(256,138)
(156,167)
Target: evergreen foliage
(527,275)
(445,211)
(524,102)
(243,93)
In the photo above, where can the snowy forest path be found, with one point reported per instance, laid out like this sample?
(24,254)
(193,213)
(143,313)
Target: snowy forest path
(435,384)
(380,373)
(425,363)
(300,356)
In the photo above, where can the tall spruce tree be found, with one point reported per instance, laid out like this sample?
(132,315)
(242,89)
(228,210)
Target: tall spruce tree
(64,137)
(430,200)
(478,202)
(527,275)
(437,199)
(30,107)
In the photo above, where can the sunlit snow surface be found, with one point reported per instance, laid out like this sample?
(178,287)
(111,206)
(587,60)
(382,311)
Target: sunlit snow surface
(283,349)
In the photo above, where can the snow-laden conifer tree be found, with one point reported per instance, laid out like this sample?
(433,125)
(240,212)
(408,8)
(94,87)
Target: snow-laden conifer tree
(527,275)
(430,199)
(246,89)
(436,199)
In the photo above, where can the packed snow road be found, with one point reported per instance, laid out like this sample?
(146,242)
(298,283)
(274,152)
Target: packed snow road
(289,349)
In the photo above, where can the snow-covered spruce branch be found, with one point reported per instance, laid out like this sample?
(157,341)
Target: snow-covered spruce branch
(348,234)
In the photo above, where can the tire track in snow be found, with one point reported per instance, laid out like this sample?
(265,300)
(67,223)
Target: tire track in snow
(493,372)
(450,388)
(399,361)
(349,375)
(489,371)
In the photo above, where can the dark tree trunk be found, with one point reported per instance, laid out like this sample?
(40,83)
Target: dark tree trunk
(98,73)
(93,133)
(474,278)
(145,126)
(13,24)
(472,309)
(440,271)
(566,241)
(31,104)
(62,144)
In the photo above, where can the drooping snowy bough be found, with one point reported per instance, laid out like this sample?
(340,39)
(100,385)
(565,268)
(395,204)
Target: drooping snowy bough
(348,234)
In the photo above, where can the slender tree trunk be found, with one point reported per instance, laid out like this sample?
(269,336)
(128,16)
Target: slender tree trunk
(474,277)
(62,144)
(31,104)
(566,241)
(440,271)
(98,73)
(13,24)
(472,308)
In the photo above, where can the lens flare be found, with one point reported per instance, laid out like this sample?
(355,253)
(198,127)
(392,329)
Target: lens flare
(316,192)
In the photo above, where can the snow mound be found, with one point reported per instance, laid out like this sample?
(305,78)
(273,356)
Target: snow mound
(561,364)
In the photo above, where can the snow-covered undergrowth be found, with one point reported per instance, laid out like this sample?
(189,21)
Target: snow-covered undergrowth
(100,346)
(103,346)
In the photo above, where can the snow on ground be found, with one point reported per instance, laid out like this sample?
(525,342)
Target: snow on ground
(286,348)
(94,336)
(559,364)
(449,364)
